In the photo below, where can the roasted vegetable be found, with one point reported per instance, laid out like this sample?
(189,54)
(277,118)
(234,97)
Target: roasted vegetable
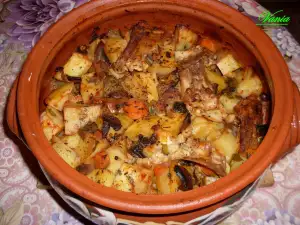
(141,127)
(227,144)
(136,109)
(77,65)
(142,86)
(205,129)
(113,47)
(78,116)
(91,86)
(228,64)
(185,38)
(52,122)
(68,155)
(60,96)
(133,178)
(152,111)
(215,78)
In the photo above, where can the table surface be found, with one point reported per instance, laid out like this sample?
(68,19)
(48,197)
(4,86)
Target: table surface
(23,200)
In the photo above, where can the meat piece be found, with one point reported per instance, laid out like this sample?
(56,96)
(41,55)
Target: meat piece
(113,122)
(192,76)
(101,68)
(249,112)
(119,94)
(137,33)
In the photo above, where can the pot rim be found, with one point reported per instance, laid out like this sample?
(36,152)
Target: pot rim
(156,204)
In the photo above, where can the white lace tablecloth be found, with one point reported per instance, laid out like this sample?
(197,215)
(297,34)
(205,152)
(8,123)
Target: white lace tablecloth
(23,198)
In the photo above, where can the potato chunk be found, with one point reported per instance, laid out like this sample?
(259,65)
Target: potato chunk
(67,154)
(77,65)
(92,49)
(59,96)
(228,64)
(133,178)
(185,38)
(142,86)
(90,87)
(205,129)
(173,124)
(227,144)
(113,47)
(117,156)
(142,127)
(52,122)
(250,86)
(102,176)
(228,103)
(78,116)
(216,79)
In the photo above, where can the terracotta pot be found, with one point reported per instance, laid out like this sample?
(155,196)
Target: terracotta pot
(252,45)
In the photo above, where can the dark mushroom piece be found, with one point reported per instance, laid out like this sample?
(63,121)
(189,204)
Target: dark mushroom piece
(90,127)
(186,122)
(105,128)
(118,94)
(82,49)
(137,151)
(113,122)
(180,107)
(185,178)
(85,169)
(143,142)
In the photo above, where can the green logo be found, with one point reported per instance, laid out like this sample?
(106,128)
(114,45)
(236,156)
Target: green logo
(268,19)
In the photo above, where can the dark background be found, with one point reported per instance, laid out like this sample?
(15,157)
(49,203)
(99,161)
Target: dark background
(290,8)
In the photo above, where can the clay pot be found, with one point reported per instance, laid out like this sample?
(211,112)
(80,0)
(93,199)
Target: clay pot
(252,45)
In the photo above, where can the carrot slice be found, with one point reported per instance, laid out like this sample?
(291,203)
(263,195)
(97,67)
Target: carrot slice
(101,160)
(136,109)
(210,44)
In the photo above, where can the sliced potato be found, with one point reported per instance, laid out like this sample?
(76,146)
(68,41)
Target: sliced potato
(142,86)
(248,86)
(205,129)
(228,64)
(174,179)
(143,127)
(72,141)
(116,156)
(184,55)
(214,115)
(160,70)
(78,116)
(83,147)
(216,79)
(125,120)
(90,87)
(67,154)
(185,38)
(101,146)
(162,174)
(172,125)
(227,144)
(228,103)
(60,96)
(92,49)
(133,178)
(77,65)
(52,122)
(167,56)
(113,47)
(102,176)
